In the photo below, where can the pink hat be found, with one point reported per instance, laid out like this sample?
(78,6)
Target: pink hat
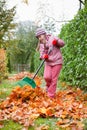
(39,32)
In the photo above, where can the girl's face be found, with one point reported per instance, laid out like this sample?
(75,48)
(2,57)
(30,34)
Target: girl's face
(42,38)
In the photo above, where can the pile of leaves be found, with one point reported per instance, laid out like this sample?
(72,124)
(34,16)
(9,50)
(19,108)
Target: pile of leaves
(26,104)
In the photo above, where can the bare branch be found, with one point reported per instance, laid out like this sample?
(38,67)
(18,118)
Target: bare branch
(59,21)
(81,2)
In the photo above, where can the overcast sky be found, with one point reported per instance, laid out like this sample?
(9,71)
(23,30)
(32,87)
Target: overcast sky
(58,9)
(63,8)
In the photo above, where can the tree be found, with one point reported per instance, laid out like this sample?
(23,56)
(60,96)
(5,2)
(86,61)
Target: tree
(43,20)
(6,25)
(6,22)
(24,43)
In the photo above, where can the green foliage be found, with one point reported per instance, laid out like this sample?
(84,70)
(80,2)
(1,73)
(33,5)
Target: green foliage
(37,62)
(75,51)
(6,19)
(6,26)
(32,64)
(23,46)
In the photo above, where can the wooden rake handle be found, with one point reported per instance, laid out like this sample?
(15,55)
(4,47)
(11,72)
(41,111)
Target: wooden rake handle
(41,64)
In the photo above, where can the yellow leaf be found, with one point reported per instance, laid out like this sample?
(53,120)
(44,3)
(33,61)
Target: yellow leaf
(42,127)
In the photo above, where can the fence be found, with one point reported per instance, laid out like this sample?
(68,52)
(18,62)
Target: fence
(21,67)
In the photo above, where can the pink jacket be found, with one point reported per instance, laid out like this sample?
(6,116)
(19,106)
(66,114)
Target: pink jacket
(55,56)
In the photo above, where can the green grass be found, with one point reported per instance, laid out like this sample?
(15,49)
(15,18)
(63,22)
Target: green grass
(10,125)
(5,88)
(85,123)
(50,122)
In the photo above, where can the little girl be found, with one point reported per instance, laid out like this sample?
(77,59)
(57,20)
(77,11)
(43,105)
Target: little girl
(49,48)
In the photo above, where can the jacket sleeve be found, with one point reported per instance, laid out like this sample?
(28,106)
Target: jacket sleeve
(60,42)
(42,51)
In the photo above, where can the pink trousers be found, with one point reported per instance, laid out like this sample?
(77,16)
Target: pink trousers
(51,74)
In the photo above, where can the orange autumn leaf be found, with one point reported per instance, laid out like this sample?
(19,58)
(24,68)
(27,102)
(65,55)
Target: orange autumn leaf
(42,111)
(38,81)
(50,112)
(60,122)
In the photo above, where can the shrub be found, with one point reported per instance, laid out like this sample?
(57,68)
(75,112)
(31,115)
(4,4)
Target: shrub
(75,51)
(3,61)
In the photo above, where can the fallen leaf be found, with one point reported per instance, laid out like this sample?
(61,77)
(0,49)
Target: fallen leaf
(1,125)
(42,127)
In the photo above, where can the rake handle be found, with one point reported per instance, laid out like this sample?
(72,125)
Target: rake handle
(41,64)
(39,68)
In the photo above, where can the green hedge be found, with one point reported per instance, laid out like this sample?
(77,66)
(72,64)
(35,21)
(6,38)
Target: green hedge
(75,51)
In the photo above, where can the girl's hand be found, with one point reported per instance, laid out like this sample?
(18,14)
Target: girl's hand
(45,56)
(54,42)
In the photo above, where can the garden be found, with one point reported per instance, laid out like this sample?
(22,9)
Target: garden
(28,108)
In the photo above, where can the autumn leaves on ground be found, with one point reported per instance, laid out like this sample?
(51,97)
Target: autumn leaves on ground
(26,104)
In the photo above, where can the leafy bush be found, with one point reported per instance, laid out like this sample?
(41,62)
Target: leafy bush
(75,51)
(3,62)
